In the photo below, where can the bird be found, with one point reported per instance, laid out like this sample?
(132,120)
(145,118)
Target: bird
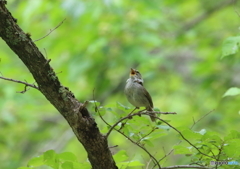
(136,93)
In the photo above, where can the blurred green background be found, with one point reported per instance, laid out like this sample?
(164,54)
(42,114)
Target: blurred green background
(176,45)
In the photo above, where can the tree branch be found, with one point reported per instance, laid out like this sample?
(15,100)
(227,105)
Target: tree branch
(82,124)
(186,166)
(194,123)
(17,81)
(51,30)
(135,114)
(185,138)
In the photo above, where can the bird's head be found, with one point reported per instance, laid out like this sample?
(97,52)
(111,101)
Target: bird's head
(135,74)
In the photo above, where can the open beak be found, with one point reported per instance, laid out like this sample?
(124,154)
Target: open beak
(132,72)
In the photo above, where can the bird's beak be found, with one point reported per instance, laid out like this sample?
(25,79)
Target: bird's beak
(132,72)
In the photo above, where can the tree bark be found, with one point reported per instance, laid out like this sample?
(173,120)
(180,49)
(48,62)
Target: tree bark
(78,117)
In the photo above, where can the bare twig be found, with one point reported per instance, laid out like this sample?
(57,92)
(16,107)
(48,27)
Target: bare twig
(234,8)
(113,127)
(201,118)
(51,30)
(17,81)
(151,156)
(113,146)
(47,62)
(194,123)
(138,142)
(185,138)
(25,89)
(186,166)
(135,114)
(97,110)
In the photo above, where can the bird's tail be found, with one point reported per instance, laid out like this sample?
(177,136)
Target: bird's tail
(152,115)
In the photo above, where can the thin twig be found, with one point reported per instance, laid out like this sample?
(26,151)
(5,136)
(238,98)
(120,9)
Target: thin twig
(17,81)
(51,30)
(113,146)
(97,110)
(194,123)
(235,8)
(113,127)
(185,166)
(184,138)
(201,118)
(135,114)
(153,158)
(146,135)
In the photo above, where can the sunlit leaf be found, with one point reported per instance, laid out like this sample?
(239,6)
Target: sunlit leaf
(178,149)
(232,135)
(148,142)
(50,158)
(67,165)
(232,92)
(122,107)
(133,163)
(94,102)
(120,156)
(36,161)
(164,127)
(202,132)
(67,156)
(188,134)
(230,46)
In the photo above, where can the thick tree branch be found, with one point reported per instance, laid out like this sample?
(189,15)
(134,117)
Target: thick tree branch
(82,124)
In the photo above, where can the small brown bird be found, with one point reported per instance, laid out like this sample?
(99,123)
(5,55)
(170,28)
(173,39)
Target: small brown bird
(136,94)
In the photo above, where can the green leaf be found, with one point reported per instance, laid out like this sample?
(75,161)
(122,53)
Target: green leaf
(67,165)
(135,163)
(232,135)
(231,148)
(129,164)
(67,156)
(36,161)
(94,102)
(202,132)
(85,165)
(120,156)
(164,127)
(122,107)
(178,149)
(233,91)
(101,110)
(148,142)
(230,46)
(50,158)
(189,134)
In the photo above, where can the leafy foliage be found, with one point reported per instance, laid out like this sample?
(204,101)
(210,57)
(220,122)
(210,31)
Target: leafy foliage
(93,51)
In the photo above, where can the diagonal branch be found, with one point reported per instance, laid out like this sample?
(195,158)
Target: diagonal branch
(81,122)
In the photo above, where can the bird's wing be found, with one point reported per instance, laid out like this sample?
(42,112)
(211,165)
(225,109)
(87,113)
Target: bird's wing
(145,92)
(139,81)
